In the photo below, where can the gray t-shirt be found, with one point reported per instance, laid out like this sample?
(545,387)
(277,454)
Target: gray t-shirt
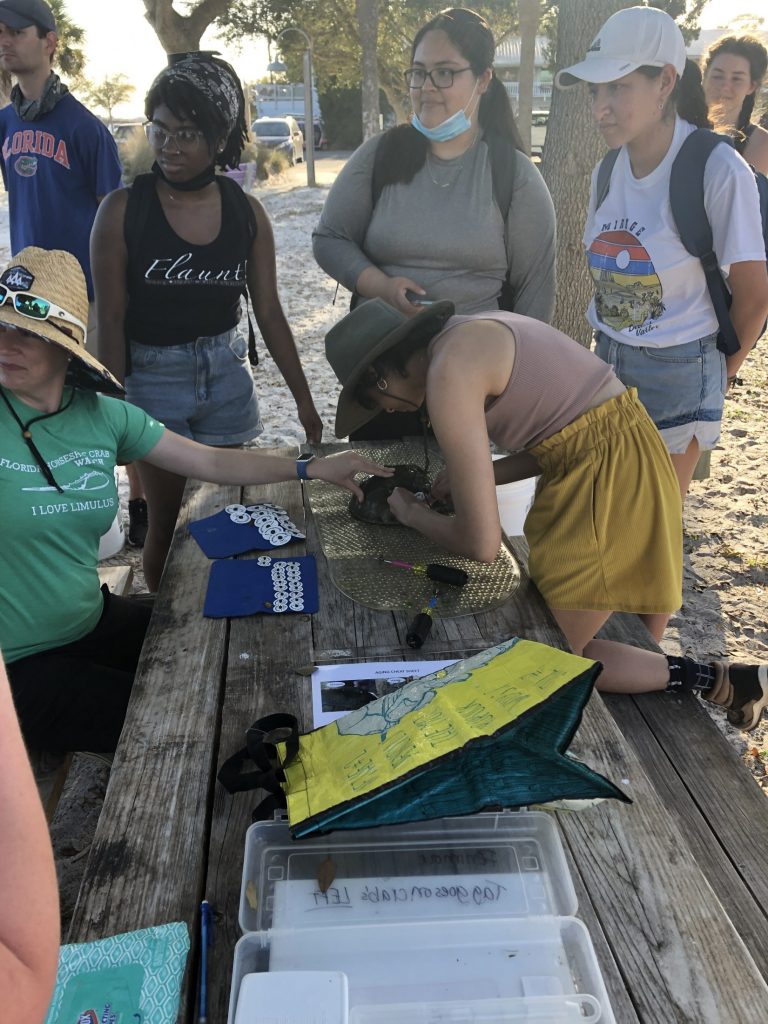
(444,230)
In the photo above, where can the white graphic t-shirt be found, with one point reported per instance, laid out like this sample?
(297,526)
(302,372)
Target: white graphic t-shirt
(648,289)
(49,586)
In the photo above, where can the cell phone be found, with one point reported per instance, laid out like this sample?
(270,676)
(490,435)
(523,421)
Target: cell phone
(418,300)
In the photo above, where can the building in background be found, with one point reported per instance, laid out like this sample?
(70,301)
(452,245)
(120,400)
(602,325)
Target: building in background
(507,66)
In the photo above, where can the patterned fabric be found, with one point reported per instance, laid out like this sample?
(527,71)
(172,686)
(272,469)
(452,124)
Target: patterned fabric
(134,976)
(30,110)
(212,80)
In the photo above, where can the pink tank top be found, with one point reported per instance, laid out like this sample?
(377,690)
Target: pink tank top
(553,381)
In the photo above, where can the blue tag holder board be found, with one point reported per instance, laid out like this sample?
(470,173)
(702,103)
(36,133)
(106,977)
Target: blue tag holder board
(135,976)
(238,529)
(263,585)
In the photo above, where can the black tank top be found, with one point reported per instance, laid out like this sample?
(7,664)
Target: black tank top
(178,291)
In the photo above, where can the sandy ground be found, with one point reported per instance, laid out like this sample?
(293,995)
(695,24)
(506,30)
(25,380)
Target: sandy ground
(725,608)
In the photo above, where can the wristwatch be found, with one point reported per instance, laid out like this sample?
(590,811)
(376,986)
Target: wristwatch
(302,463)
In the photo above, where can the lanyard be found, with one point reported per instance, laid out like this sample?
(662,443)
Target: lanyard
(44,467)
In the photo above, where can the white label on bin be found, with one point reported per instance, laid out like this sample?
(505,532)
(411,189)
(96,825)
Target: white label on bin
(356,900)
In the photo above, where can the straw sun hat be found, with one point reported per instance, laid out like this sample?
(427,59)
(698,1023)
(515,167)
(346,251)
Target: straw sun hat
(357,341)
(55,277)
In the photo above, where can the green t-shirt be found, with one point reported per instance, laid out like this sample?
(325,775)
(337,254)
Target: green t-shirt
(49,541)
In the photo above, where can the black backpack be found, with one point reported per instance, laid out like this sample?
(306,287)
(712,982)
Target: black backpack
(503,154)
(136,216)
(686,199)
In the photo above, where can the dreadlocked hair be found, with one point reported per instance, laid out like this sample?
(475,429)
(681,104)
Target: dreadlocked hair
(188,103)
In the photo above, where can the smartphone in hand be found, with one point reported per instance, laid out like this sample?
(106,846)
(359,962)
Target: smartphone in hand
(418,300)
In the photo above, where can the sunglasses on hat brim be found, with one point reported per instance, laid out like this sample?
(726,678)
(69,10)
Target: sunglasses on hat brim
(35,307)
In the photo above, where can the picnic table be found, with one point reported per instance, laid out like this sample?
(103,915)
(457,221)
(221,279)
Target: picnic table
(673,888)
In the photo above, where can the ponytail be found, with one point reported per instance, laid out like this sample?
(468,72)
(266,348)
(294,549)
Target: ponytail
(745,114)
(688,97)
(752,50)
(495,114)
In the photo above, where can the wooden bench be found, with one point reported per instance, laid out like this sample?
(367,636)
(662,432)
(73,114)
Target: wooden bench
(51,768)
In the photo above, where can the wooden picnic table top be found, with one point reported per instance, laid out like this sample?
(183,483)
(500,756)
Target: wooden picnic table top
(673,888)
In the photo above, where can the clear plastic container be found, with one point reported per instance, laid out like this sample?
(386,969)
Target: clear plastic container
(541,968)
(455,920)
(509,864)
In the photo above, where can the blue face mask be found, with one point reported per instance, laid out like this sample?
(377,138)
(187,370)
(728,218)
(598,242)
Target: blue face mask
(453,126)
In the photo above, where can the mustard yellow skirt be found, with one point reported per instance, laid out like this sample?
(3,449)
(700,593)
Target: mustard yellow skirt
(605,529)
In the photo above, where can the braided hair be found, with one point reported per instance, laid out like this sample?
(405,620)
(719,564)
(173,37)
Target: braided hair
(756,55)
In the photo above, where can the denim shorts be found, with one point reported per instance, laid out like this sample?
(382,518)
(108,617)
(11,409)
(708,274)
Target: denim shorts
(203,390)
(682,387)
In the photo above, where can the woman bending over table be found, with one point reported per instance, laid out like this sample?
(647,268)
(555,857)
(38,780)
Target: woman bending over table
(604,531)
(72,648)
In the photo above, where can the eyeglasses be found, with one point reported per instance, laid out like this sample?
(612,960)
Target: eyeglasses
(36,308)
(441,78)
(184,139)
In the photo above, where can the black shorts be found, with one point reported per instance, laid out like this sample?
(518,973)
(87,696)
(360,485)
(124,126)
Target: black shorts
(75,697)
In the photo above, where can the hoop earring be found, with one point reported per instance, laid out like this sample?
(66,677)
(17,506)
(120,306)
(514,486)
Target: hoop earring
(381,384)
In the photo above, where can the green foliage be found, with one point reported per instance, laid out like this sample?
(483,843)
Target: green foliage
(69,57)
(136,156)
(108,93)
(343,117)
(270,162)
(333,29)
(685,12)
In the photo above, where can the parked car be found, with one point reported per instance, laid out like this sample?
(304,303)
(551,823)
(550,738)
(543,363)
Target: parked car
(282,134)
(122,132)
(318,133)
(539,122)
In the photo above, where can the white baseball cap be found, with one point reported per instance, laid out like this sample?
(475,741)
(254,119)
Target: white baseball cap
(633,38)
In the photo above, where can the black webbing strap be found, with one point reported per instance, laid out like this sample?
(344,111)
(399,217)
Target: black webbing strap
(260,750)
(686,200)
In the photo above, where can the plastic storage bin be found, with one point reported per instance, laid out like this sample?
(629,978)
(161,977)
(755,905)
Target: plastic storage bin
(113,540)
(514,501)
(463,919)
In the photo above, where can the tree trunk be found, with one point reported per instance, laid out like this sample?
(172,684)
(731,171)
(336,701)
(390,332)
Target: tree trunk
(367,12)
(395,100)
(529,12)
(572,149)
(178,33)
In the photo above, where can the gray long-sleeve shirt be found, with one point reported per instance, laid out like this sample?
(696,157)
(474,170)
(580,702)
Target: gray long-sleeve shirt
(444,231)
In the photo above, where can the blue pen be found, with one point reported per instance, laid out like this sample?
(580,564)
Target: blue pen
(206,941)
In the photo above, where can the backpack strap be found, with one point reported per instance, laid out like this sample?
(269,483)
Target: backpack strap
(502,154)
(686,199)
(137,211)
(604,172)
(134,224)
(241,200)
(245,210)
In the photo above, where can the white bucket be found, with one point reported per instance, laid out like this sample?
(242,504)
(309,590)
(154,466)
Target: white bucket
(114,539)
(514,501)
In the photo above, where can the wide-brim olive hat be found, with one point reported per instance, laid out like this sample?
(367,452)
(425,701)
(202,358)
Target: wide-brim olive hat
(370,330)
(56,278)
